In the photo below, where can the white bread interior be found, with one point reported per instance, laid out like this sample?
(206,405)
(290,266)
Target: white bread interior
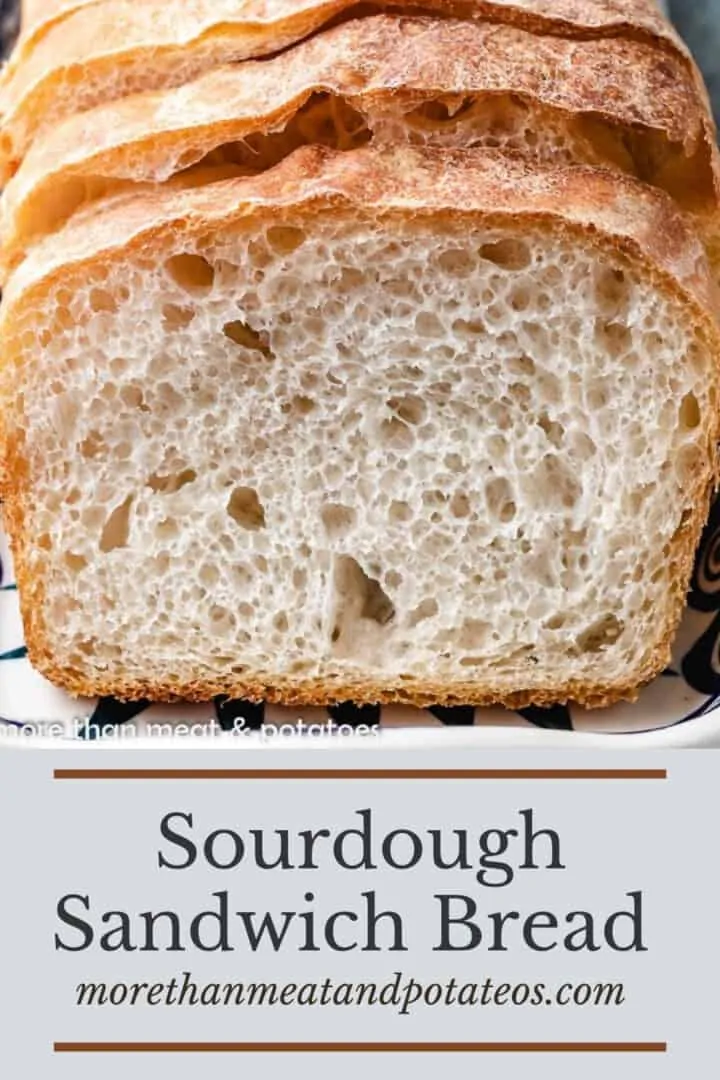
(409,427)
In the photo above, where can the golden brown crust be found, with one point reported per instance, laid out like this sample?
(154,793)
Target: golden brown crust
(157,44)
(627,18)
(581,14)
(384,62)
(406,181)
(603,210)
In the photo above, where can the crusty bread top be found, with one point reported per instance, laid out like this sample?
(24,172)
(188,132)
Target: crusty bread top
(200,34)
(637,220)
(623,81)
(624,16)
(379,63)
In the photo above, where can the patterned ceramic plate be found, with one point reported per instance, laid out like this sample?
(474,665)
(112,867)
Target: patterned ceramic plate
(684,697)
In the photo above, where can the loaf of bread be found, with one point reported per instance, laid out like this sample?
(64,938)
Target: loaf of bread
(77,55)
(377,425)
(394,80)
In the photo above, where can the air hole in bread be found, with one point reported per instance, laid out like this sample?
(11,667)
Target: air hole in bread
(474,634)
(167,529)
(176,317)
(510,254)
(521,365)
(612,291)
(133,396)
(520,298)
(89,648)
(435,498)
(242,334)
(460,505)
(410,409)
(600,635)
(221,619)
(554,482)
(425,610)
(468,328)
(614,337)
(598,395)
(191,157)
(118,367)
(555,432)
(690,415)
(440,111)
(245,508)
(399,511)
(192,273)
(456,261)
(329,120)
(428,325)
(359,599)
(491,121)
(92,445)
(102,300)
(299,405)
(324,119)
(284,239)
(394,433)
(393,579)
(168,485)
(500,500)
(337,519)
(520,394)
(116,530)
(208,575)
(299,577)
(75,563)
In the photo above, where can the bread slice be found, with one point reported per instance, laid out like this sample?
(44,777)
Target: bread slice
(411,426)
(398,80)
(106,49)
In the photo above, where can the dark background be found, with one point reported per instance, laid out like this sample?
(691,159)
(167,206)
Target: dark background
(699,23)
(697,20)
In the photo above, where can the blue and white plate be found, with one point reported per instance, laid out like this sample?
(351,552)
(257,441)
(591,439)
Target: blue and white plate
(684,702)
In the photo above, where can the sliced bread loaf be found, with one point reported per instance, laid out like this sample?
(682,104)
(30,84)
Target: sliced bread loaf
(396,80)
(384,426)
(106,49)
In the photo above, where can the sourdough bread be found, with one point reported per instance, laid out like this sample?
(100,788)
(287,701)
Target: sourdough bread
(377,426)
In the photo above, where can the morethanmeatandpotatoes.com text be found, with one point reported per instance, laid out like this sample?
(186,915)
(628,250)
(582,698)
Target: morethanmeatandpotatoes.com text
(398,992)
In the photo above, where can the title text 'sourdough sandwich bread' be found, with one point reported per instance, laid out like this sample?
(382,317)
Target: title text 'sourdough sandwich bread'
(76,55)
(411,425)
(394,80)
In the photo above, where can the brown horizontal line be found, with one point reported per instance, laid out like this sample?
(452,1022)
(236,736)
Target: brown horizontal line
(361,1048)
(360,774)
